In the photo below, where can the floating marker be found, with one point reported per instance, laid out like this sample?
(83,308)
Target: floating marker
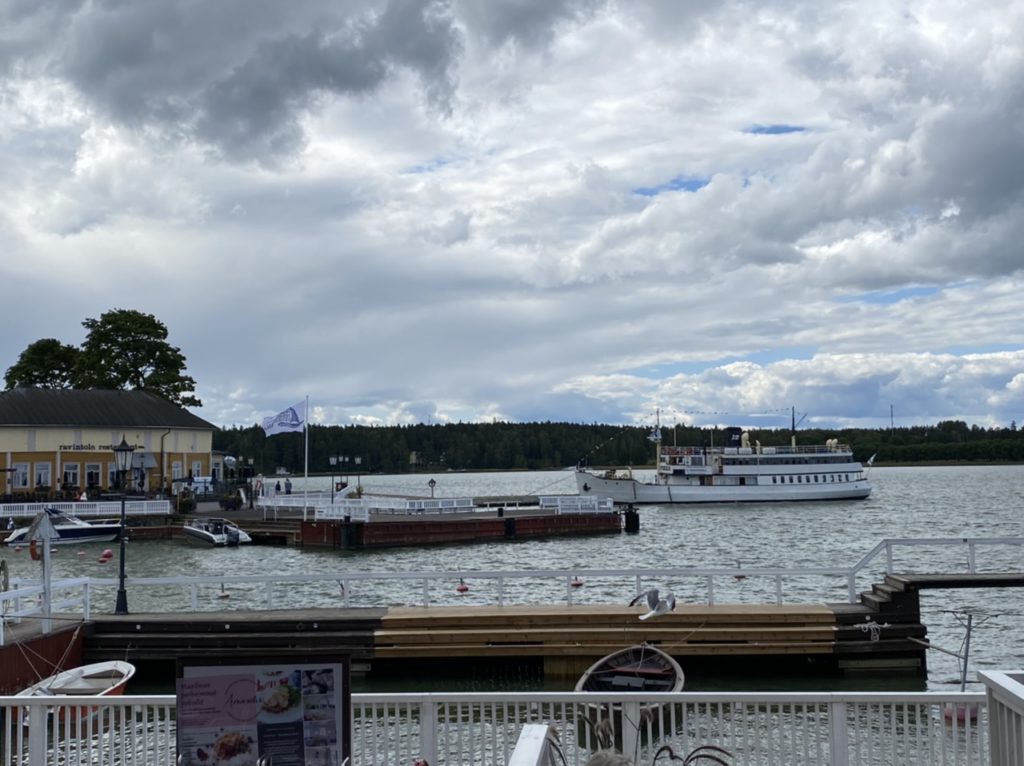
(461,587)
(576,582)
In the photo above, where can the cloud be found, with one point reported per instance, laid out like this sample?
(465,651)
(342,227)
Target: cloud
(528,210)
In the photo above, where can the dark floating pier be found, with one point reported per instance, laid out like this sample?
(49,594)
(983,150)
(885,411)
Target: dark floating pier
(882,633)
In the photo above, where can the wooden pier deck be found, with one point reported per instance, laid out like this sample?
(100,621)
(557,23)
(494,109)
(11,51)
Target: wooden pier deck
(883,632)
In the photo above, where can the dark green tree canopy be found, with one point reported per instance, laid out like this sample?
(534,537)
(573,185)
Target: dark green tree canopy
(124,349)
(47,363)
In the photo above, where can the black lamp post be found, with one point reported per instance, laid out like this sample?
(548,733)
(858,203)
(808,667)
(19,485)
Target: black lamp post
(123,454)
(333,459)
(431,484)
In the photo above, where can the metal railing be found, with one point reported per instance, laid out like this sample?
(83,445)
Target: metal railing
(757,729)
(431,588)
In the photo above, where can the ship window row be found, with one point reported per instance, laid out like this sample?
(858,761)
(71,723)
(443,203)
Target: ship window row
(761,460)
(816,479)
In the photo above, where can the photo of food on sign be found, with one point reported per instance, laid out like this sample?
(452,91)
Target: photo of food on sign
(280,698)
(228,748)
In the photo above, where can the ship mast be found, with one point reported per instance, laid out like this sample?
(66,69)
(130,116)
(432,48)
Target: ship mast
(655,436)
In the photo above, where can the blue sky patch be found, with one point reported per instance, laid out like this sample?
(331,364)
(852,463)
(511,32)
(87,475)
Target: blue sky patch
(679,183)
(774,130)
(430,165)
(889,297)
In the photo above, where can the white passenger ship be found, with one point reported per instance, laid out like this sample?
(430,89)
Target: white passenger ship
(737,473)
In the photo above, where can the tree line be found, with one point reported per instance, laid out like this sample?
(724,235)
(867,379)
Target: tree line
(553,445)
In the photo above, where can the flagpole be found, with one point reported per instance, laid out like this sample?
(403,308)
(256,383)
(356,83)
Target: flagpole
(305,483)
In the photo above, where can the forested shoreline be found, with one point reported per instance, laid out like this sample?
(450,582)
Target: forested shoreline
(550,445)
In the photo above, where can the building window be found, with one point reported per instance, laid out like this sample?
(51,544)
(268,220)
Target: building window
(20,479)
(42,474)
(197,468)
(92,474)
(70,474)
(176,470)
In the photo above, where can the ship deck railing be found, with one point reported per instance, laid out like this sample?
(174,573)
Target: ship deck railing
(776,449)
(710,585)
(973,728)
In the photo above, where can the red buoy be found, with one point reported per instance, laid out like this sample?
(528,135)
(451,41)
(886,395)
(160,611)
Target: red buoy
(576,582)
(461,587)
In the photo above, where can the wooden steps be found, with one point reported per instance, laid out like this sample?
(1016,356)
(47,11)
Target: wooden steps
(594,631)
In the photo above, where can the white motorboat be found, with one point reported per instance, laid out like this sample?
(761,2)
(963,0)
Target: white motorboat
(736,472)
(217,532)
(71,529)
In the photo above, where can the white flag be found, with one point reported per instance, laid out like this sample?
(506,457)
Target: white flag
(291,420)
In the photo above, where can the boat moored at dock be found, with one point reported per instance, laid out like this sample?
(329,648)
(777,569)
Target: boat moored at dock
(71,529)
(217,532)
(736,472)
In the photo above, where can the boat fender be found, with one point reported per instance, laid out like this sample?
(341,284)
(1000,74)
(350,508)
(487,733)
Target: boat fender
(33,550)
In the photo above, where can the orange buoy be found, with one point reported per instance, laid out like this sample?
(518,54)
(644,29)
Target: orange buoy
(461,587)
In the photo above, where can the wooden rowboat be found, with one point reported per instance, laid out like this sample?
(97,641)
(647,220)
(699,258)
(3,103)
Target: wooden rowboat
(640,668)
(102,679)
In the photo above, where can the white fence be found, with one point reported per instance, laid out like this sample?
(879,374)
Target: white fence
(757,729)
(1005,697)
(102,508)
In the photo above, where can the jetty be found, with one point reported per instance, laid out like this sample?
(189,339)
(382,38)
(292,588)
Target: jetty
(878,629)
(391,522)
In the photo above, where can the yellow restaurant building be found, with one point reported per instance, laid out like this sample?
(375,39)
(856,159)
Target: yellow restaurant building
(56,443)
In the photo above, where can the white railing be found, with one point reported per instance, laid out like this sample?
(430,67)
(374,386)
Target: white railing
(432,588)
(577,504)
(89,509)
(757,729)
(1005,699)
(537,746)
(968,545)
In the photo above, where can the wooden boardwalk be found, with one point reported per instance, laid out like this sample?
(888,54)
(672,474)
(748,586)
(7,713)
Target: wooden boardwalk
(883,632)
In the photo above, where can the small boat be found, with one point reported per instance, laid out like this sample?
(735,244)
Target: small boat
(736,472)
(102,679)
(640,668)
(71,529)
(215,531)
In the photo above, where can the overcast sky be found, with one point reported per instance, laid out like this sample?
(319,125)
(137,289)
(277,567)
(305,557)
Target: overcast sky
(529,209)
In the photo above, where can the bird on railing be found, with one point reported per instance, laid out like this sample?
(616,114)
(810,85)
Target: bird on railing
(655,603)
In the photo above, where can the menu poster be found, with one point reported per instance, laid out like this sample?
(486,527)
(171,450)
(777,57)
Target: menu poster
(297,713)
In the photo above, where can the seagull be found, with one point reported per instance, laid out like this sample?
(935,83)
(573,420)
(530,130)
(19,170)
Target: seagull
(657,605)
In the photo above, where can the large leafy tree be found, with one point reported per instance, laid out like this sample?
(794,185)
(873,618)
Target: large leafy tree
(127,349)
(47,363)
(124,349)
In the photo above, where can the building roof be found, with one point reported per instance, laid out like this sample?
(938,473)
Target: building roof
(93,408)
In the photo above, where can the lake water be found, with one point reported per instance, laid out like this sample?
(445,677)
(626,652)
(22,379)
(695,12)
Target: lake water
(907,502)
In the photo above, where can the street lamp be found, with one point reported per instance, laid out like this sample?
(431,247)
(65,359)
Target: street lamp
(334,462)
(252,482)
(123,455)
(431,484)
